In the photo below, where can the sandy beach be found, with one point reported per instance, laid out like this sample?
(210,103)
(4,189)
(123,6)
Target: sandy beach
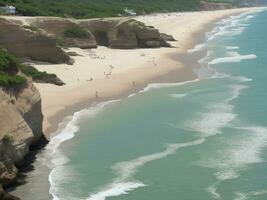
(103,73)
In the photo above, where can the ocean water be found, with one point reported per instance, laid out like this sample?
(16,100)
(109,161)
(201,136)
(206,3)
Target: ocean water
(202,140)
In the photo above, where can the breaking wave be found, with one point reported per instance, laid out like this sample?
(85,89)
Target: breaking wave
(232,59)
(125,171)
(67,133)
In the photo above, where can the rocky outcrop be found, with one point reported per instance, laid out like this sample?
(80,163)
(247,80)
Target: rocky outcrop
(119,33)
(5,196)
(167,37)
(35,45)
(114,33)
(20,128)
(57,27)
(204,5)
(124,33)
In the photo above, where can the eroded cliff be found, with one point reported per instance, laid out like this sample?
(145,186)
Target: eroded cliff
(119,33)
(124,33)
(25,43)
(20,128)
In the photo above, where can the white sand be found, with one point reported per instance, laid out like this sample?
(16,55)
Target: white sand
(124,66)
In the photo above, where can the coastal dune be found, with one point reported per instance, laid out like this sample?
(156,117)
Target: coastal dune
(103,73)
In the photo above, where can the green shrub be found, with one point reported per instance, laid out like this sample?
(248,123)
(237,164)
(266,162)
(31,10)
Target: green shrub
(9,69)
(15,80)
(8,63)
(32,72)
(60,41)
(8,139)
(32,28)
(76,32)
(41,77)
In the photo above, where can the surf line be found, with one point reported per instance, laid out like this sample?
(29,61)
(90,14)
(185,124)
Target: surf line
(124,183)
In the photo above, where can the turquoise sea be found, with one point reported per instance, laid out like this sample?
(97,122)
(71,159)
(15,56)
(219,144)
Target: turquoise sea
(201,140)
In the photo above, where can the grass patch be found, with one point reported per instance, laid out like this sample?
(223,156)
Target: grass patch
(40,77)
(6,80)
(32,28)
(76,32)
(9,69)
(10,76)
(60,41)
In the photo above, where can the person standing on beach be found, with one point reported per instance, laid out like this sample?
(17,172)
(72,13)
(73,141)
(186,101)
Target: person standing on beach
(96,95)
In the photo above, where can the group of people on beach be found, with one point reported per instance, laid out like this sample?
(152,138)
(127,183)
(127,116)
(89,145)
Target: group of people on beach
(93,55)
(152,61)
(109,72)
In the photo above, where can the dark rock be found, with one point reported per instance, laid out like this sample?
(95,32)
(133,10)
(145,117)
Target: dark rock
(167,37)
(124,33)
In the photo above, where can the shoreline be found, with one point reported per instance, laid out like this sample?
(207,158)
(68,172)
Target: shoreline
(142,73)
(178,74)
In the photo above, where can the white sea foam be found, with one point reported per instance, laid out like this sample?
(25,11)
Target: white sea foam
(232,47)
(197,48)
(207,58)
(126,170)
(241,196)
(115,189)
(72,126)
(213,190)
(241,79)
(210,123)
(177,96)
(219,75)
(229,162)
(218,115)
(132,95)
(250,17)
(245,196)
(163,85)
(247,150)
(232,59)
(68,132)
(166,85)
(52,149)
(232,26)
(236,90)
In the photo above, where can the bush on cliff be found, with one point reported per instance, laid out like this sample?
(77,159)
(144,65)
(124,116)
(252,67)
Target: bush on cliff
(9,69)
(40,77)
(76,32)
(32,28)
(8,63)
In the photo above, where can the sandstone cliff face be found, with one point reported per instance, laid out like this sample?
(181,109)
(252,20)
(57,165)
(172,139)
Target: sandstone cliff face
(29,44)
(114,33)
(57,26)
(120,33)
(124,33)
(20,127)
